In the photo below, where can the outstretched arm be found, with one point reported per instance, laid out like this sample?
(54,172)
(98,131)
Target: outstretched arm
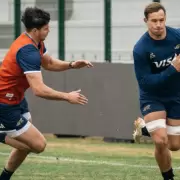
(29,61)
(40,89)
(52,64)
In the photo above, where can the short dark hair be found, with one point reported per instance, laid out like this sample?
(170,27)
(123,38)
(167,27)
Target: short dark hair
(153,7)
(34,17)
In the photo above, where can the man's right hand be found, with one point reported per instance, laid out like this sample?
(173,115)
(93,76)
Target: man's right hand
(75,97)
(176,62)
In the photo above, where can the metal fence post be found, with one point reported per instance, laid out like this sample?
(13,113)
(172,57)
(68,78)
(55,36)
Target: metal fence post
(17,18)
(61,29)
(107,30)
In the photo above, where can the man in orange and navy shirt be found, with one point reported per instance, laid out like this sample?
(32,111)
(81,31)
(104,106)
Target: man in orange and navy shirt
(21,69)
(23,57)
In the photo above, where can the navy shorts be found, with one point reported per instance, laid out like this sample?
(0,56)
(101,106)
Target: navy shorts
(171,106)
(14,119)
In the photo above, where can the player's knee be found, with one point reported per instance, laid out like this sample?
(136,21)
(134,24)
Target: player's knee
(174,141)
(174,146)
(40,146)
(161,141)
(157,129)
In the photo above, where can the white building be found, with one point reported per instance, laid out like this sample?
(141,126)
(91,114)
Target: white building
(85,26)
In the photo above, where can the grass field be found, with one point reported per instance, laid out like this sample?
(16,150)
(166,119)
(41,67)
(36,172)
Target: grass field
(90,159)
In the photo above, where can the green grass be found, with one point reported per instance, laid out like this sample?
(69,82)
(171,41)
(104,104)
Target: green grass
(90,159)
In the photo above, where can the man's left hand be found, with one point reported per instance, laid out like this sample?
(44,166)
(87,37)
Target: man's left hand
(81,63)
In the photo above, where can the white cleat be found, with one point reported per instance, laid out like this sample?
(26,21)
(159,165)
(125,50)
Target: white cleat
(139,124)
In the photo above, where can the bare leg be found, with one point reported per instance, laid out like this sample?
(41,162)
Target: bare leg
(16,158)
(16,144)
(156,125)
(19,154)
(162,153)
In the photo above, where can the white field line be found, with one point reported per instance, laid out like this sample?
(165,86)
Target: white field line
(91,162)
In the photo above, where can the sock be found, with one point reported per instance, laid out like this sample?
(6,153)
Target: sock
(168,175)
(6,175)
(143,128)
(2,137)
(145,132)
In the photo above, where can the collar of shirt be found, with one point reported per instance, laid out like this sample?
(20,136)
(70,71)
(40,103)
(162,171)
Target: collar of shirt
(38,45)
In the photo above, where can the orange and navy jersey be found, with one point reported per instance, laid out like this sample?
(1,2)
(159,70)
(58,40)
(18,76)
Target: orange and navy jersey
(24,56)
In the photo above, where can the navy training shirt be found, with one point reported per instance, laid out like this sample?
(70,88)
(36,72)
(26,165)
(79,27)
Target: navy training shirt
(152,62)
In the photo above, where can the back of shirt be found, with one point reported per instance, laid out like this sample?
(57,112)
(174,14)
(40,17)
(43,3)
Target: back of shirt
(152,61)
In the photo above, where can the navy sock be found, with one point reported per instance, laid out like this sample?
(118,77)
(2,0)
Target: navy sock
(2,137)
(168,175)
(6,175)
(145,132)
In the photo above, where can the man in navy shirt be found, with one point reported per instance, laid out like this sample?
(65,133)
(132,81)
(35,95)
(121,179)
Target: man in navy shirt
(157,67)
